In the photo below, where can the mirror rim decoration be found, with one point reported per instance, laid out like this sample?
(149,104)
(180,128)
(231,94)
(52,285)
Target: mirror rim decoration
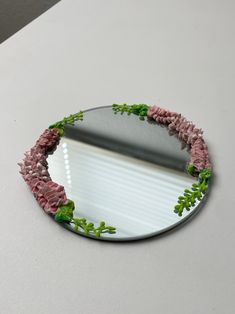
(52,197)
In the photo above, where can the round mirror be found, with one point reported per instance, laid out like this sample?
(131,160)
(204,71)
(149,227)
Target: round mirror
(124,171)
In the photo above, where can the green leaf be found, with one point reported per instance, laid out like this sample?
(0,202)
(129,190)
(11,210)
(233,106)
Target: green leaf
(196,193)
(191,169)
(70,204)
(67,120)
(64,214)
(137,109)
(89,227)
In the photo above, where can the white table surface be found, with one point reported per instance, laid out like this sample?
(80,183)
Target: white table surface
(80,54)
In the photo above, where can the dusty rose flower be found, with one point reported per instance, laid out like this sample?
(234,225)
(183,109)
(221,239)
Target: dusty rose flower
(186,132)
(199,155)
(34,169)
(152,110)
(35,184)
(34,166)
(161,115)
(48,140)
(50,196)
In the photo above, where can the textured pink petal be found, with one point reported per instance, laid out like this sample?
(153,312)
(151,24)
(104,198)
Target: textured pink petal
(187,133)
(34,169)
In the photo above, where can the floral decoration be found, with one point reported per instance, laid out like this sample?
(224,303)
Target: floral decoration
(189,135)
(52,197)
(187,132)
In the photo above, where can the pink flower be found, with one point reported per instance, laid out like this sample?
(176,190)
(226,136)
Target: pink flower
(186,132)
(199,155)
(34,166)
(48,140)
(161,115)
(152,110)
(50,196)
(34,169)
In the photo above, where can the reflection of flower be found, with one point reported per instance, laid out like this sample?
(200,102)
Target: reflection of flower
(186,132)
(34,170)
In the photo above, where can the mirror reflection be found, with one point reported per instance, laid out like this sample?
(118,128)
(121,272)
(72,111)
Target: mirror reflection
(124,171)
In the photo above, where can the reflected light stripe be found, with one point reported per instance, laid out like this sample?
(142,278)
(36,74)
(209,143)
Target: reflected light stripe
(94,169)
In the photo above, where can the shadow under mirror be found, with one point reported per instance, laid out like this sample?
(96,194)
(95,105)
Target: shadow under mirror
(126,172)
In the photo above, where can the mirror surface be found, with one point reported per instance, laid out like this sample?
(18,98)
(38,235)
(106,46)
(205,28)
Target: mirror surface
(124,171)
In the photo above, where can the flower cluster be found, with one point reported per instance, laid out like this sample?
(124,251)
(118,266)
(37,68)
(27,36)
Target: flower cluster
(186,132)
(34,170)
(51,196)
(48,140)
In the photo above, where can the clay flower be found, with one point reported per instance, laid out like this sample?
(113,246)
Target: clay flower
(199,155)
(50,196)
(48,140)
(186,132)
(34,166)
(34,169)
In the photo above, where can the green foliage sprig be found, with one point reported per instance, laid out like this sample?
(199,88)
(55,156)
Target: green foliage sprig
(196,193)
(137,109)
(64,214)
(89,228)
(191,170)
(67,120)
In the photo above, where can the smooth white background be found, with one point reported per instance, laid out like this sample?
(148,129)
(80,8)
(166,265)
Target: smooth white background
(80,54)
